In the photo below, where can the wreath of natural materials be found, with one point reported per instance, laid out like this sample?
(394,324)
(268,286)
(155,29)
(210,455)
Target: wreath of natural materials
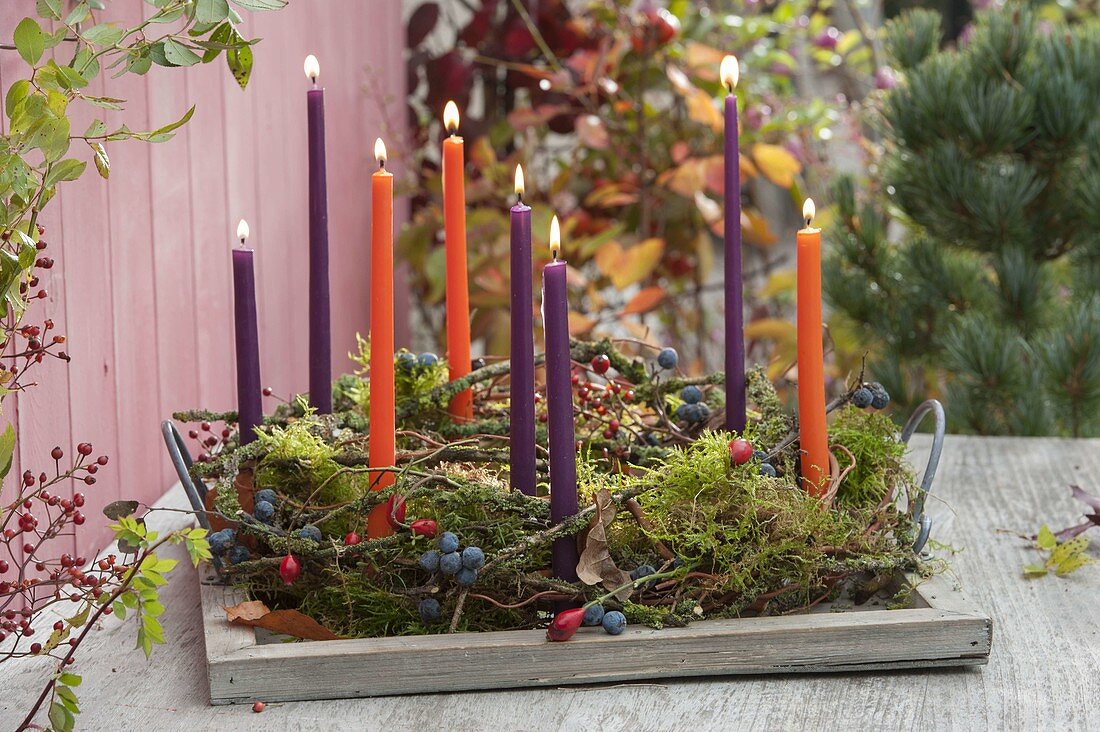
(676,523)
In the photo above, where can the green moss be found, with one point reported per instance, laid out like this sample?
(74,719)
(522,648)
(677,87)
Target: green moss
(880,466)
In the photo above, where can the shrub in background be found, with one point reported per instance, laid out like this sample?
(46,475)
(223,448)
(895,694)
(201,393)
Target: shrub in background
(991,166)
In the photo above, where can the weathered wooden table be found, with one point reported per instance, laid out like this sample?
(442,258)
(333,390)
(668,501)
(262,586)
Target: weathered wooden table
(1044,671)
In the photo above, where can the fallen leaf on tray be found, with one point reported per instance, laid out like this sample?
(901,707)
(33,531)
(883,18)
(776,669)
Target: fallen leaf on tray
(596,565)
(255,614)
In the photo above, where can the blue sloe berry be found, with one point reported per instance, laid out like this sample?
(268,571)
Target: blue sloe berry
(266,495)
(429,560)
(614,622)
(593,615)
(466,576)
(767,470)
(429,610)
(668,358)
(238,554)
(652,439)
(879,396)
(448,542)
(427,359)
(473,558)
(642,570)
(450,563)
(309,531)
(691,394)
(220,541)
(263,511)
(406,361)
(862,397)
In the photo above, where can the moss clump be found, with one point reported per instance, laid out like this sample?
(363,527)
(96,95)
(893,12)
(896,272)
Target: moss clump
(879,468)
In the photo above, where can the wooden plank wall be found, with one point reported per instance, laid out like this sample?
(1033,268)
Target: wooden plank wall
(142,286)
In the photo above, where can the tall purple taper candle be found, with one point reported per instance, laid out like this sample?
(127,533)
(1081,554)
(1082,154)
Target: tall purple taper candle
(735,312)
(559,406)
(320,326)
(249,409)
(522,371)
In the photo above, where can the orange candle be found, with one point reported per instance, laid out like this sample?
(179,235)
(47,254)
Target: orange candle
(458,296)
(382,448)
(813,437)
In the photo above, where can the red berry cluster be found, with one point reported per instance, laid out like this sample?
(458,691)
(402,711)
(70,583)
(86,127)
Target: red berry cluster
(32,575)
(210,439)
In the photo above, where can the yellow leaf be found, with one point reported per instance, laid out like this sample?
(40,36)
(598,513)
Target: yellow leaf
(771,329)
(701,108)
(686,178)
(755,230)
(780,282)
(646,299)
(776,163)
(625,267)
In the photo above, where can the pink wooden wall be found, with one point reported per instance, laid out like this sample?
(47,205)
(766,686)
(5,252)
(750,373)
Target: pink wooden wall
(142,287)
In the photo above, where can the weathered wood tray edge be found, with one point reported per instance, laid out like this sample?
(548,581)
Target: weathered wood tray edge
(947,632)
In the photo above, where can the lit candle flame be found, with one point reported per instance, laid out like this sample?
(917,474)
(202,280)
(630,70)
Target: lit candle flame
(555,237)
(730,72)
(311,67)
(450,117)
(809,210)
(519,181)
(242,230)
(380,152)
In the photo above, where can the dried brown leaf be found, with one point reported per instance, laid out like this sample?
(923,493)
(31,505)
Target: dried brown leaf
(596,565)
(255,614)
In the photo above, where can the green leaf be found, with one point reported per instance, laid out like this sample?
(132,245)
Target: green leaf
(68,696)
(1071,564)
(69,679)
(17,92)
(7,449)
(68,169)
(30,41)
(49,9)
(78,14)
(211,11)
(260,5)
(1046,539)
(240,64)
(219,37)
(1034,570)
(104,34)
(178,54)
(95,129)
(61,718)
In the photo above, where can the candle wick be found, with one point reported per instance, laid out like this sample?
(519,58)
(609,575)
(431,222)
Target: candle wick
(729,88)
(519,198)
(809,220)
(555,253)
(381,164)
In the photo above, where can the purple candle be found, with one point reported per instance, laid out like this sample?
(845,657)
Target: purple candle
(559,405)
(735,311)
(522,402)
(320,327)
(249,410)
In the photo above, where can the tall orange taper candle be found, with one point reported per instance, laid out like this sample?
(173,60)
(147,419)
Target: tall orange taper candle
(381,439)
(813,438)
(458,296)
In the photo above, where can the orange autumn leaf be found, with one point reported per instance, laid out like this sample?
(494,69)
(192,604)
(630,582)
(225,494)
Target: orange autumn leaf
(686,178)
(701,107)
(704,60)
(624,267)
(580,324)
(646,299)
(611,195)
(776,163)
(755,230)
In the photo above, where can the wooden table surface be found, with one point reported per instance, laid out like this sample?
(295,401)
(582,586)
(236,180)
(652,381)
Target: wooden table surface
(1044,671)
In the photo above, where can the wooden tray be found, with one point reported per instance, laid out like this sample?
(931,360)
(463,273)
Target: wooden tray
(938,629)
